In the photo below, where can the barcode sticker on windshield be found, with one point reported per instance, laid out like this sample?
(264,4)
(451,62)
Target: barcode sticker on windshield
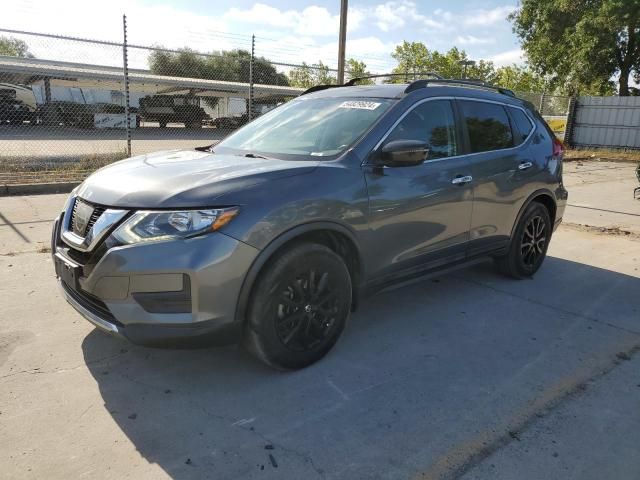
(360,104)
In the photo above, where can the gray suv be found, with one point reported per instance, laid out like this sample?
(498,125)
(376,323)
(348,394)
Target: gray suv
(274,235)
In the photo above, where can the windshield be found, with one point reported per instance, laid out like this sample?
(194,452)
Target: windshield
(322,127)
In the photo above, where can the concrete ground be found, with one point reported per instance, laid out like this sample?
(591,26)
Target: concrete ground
(47,144)
(601,194)
(469,375)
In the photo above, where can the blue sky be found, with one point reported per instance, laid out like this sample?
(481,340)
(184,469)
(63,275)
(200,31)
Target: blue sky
(286,30)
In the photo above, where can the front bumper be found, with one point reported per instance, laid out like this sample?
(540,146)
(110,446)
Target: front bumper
(113,294)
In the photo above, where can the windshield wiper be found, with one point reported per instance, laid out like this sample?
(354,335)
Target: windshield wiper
(253,155)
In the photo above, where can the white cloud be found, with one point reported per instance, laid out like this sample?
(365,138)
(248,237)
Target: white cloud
(301,34)
(509,57)
(473,40)
(312,20)
(372,50)
(163,25)
(489,17)
(393,15)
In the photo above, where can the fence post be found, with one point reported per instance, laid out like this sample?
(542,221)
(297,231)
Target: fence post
(125,69)
(253,47)
(541,106)
(571,120)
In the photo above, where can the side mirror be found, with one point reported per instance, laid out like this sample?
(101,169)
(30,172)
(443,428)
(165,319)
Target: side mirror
(404,153)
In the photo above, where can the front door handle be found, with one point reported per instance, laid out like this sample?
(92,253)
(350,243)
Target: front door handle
(525,165)
(459,180)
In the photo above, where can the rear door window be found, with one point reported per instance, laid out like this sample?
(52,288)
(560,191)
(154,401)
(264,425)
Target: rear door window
(488,126)
(521,123)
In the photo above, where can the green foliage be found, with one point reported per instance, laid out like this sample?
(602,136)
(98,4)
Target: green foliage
(307,76)
(415,57)
(231,66)
(581,44)
(356,68)
(14,47)
(520,79)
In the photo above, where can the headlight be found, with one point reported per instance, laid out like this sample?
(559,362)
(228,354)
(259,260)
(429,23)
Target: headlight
(144,226)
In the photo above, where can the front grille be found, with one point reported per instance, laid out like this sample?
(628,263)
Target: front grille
(76,225)
(91,303)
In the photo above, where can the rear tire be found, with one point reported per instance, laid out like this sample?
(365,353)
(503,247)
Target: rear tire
(299,307)
(529,244)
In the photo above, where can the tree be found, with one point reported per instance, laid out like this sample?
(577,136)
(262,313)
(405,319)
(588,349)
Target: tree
(231,66)
(582,44)
(520,79)
(14,47)
(307,76)
(355,69)
(415,57)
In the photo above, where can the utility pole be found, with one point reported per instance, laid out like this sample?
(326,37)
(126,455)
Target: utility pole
(465,64)
(342,40)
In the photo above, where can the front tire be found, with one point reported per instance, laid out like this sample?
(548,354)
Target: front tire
(299,307)
(529,244)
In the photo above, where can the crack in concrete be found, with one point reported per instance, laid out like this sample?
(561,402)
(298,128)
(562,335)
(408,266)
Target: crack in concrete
(552,307)
(34,371)
(305,456)
(39,249)
(460,459)
(613,230)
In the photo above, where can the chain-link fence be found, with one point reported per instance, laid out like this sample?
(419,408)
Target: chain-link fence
(547,105)
(64,101)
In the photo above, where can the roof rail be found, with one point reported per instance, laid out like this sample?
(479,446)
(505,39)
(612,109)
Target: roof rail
(452,81)
(353,81)
(317,88)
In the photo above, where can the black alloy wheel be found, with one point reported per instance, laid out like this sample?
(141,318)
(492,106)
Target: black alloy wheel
(306,310)
(534,241)
(299,306)
(529,243)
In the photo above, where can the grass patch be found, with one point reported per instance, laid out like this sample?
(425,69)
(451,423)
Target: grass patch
(16,170)
(603,154)
(66,163)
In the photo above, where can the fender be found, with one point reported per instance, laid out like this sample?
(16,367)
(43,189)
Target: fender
(538,193)
(264,256)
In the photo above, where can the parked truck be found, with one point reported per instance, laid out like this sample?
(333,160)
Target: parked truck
(166,109)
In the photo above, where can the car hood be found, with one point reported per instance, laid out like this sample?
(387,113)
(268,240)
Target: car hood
(182,178)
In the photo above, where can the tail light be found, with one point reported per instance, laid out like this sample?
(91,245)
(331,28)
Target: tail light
(558,148)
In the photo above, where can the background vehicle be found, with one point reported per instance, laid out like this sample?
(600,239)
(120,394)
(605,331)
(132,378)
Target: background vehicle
(15,112)
(166,109)
(273,236)
(17,104)
(230,123)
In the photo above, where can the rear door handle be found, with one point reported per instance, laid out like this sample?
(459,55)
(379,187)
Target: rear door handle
(460,179)
(525,165)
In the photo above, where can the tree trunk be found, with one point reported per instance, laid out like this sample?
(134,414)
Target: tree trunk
(628,60)
(624,81)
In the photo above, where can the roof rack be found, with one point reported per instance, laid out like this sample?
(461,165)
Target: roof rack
(353,81)
(422,83)
(452,81)
(317,88)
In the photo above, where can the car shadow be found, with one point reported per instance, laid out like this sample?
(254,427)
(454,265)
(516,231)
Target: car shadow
(414,368)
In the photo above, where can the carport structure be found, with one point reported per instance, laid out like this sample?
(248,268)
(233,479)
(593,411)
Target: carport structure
(29,71)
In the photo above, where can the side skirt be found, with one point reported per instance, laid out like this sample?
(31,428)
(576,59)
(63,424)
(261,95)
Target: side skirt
(426,272)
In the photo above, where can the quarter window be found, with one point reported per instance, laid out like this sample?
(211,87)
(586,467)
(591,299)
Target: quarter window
(522,124)
(430,122)
(488,126)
